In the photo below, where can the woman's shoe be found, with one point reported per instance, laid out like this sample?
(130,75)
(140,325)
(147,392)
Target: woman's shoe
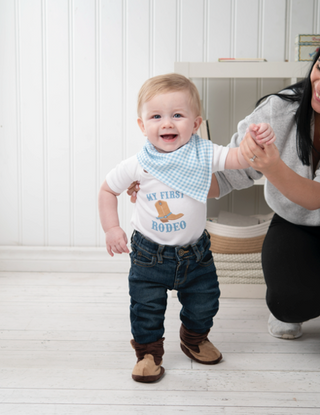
(282,330)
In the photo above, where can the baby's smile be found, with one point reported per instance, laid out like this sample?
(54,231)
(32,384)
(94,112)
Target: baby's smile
(168,136)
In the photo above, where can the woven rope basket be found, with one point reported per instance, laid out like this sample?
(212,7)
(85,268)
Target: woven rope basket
(238,259)
(227,245)
(239,268)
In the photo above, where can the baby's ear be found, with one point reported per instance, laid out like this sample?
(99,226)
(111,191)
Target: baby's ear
(197,123)
(141,125)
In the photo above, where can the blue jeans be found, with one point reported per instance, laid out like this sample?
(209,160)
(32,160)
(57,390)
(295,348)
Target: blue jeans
(157,268)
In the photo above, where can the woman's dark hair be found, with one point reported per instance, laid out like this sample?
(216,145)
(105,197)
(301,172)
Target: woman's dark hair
(301,92)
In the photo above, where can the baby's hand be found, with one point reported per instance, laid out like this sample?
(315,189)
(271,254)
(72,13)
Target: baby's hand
(262,133)
(116,241)
(132,191)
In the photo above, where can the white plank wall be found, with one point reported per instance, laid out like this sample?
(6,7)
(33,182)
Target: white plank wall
(69,76)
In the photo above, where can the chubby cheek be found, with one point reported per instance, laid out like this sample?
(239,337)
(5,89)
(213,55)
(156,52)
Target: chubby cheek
(147,129)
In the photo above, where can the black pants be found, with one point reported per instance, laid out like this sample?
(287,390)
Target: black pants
(291,266)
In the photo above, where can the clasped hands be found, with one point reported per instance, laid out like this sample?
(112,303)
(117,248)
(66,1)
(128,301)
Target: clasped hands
(259,149)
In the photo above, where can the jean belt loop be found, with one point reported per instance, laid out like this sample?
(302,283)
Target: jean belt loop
(159,254)
(196,251)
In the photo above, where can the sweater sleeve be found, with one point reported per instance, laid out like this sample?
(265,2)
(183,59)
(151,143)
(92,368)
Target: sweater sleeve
(229,180)
(317,174)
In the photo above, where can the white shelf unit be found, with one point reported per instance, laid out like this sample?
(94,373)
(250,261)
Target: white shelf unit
(286,70)
(290,71)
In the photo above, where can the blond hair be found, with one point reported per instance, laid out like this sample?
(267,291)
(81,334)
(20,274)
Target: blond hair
(171,82)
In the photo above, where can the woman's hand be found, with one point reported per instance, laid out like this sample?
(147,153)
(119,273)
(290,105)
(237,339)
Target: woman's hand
(132,191)
(265,160)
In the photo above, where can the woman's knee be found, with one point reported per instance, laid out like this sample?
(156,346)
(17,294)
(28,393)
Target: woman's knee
(293,309)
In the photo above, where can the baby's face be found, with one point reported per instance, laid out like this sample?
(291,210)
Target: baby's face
(168,120)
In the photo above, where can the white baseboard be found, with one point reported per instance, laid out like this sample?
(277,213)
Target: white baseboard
(243,290)
(239,291)
(61,259)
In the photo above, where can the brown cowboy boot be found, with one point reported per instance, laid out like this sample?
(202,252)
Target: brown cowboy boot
(148,368)
(164,212)
(198,347)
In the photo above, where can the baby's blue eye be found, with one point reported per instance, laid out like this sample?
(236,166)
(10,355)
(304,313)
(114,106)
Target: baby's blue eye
(177,116)
(156,116)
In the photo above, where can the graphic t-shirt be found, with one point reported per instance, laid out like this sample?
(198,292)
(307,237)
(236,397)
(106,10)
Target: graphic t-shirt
(161,213)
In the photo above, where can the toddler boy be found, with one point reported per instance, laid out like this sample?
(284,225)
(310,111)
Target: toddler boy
(170,246)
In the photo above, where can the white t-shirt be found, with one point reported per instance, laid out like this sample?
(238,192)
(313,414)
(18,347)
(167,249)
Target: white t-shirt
(162,214)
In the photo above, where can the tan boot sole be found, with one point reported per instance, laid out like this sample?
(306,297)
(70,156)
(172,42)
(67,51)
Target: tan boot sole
(149,379)
(187,352)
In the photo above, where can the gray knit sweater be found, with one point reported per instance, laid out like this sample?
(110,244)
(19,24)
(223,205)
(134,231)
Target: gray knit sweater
(280,115)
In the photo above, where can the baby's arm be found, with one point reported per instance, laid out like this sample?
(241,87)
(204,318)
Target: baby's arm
(235,160)
(116,239)
(262,133)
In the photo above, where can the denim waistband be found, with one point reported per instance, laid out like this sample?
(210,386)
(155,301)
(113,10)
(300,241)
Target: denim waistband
(168,251)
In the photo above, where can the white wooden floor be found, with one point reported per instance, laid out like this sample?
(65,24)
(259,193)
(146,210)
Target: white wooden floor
(64,350)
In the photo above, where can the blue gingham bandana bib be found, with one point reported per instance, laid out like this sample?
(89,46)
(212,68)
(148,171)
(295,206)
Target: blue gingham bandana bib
(188,169)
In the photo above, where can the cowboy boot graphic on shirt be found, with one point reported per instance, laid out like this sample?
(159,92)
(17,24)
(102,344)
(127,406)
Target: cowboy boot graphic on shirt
(164,212)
